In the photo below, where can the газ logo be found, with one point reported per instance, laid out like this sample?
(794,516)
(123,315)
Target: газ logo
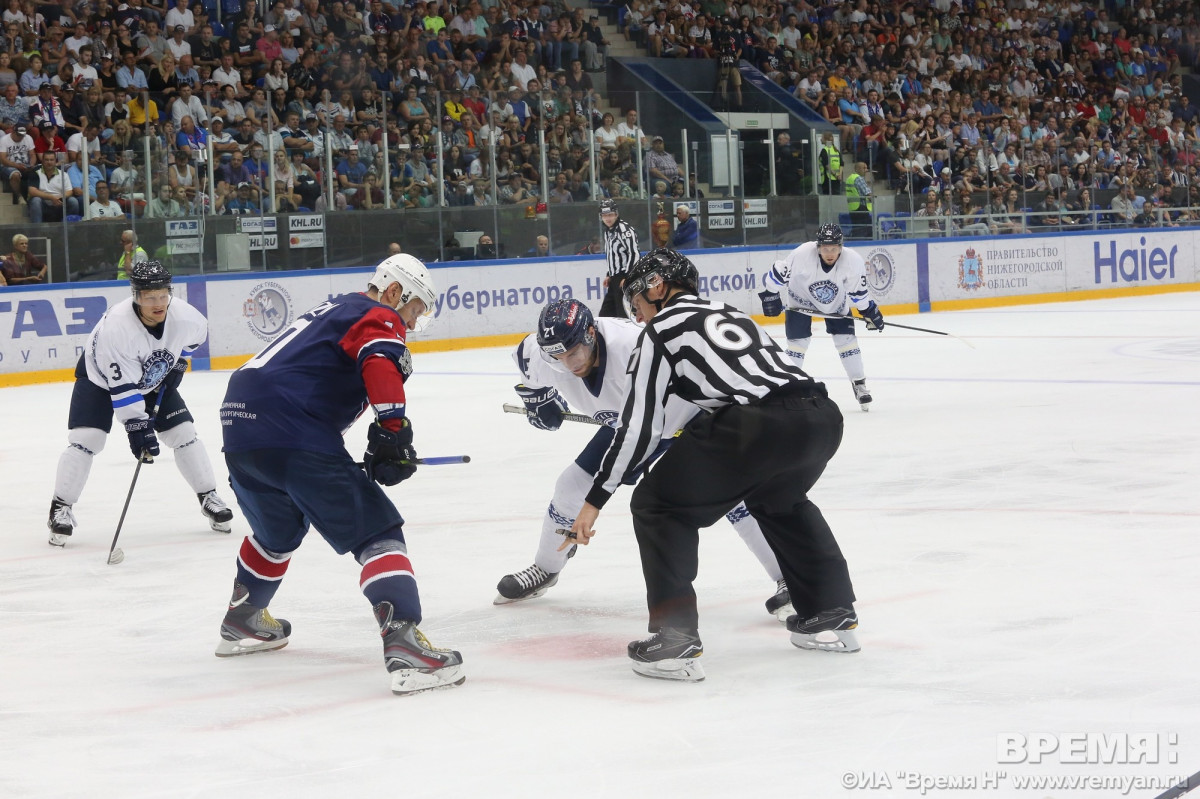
(970,271)
(268,310)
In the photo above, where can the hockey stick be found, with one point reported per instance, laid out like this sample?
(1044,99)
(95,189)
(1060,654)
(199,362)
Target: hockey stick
(582,418)
(897,324)
(1187,786)
(171,382)
(441,461)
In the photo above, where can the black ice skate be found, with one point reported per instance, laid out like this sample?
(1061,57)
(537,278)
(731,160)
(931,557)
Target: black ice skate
(525,584)
(780,605)
(669,654)
(61,522)
(217,512)
(247,629)
(414,663)
(862,394)
(828,631)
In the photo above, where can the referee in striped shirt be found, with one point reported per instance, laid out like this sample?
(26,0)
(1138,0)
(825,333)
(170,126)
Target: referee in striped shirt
(621,250)
(770,431)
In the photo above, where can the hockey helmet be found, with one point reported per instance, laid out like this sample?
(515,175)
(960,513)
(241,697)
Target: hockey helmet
(661,265)
(149,275)
(829,234)
(608,207)
(414,281)
(564,324)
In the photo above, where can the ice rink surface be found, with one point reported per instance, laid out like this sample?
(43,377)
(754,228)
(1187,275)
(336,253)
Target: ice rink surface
(1019,511)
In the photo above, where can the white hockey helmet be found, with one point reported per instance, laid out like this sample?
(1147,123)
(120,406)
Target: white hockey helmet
(413,278)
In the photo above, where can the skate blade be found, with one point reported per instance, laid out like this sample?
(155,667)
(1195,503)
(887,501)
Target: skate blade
(828,641)
(677,669)
(501,599)
(414,681)
(220,527)
(57,540)
(247,646)
(785,611)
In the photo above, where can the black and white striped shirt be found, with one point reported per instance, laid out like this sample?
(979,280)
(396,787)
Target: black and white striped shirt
(707,353)
(620,247)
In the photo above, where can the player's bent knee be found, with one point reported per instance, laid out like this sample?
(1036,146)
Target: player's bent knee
(87,439)
(388,541)
(178,436)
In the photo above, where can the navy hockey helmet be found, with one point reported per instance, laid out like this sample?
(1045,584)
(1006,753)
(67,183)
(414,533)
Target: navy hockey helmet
(829,234)
(564,324)
(661,265)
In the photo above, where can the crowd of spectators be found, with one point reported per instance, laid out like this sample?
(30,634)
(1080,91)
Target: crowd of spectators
(1055,95)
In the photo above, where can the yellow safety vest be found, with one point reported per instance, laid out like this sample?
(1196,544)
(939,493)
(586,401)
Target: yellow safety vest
(854,200)
(139,255)
(835,164)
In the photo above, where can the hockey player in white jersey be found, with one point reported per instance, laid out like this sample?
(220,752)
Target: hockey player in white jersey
(823,278)
(579,361)
(135,355)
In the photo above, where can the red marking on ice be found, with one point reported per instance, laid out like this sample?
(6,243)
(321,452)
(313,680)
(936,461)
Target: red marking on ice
(567,647)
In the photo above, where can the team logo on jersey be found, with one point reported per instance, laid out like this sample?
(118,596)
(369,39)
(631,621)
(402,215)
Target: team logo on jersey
(268,310)
(155,369)
(823,291)
(881,271)
(970,270)
(609,418)
(406,363)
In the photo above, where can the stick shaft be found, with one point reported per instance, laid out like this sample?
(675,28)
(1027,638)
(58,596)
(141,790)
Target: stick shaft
(125,509)
(172,381)
(887,324)
(582,418)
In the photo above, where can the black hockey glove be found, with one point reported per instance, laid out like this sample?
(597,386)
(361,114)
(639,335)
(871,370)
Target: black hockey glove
(772,304)
(142,440)
(390,457)
(543,406)
(873,316)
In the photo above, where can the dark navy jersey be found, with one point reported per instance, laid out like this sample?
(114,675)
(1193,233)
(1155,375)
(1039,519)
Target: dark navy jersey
(309,385)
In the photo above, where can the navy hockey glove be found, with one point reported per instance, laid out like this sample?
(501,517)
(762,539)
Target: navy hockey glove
(142,439)
(390,457)
(873,316)
(772,304)
(543,406)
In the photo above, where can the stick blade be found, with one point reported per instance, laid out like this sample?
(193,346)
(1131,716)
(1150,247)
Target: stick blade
(116,556)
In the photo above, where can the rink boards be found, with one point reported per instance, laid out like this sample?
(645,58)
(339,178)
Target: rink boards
(491,303)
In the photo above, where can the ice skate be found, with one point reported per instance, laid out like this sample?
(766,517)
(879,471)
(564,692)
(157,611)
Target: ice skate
(414,663)
(248,629)
(217,512)
(862,394)
(828,631)
(669,654)
(780,605)
(61,522)
(526,584)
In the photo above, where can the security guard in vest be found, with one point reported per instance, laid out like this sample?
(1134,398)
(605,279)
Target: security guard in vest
(831,166)
(858,199)
(131,254)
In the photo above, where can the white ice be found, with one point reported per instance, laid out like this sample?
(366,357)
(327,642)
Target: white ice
(1019,511)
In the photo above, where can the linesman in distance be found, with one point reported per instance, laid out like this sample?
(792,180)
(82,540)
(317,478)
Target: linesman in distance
(769,432)
(621,250)
(823,278)
(283,417)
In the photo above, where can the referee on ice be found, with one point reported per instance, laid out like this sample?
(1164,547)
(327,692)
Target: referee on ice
(769,432)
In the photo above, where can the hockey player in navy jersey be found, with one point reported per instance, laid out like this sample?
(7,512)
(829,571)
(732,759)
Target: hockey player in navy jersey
(135,354)
(820,278)
(283,417)
(579,359)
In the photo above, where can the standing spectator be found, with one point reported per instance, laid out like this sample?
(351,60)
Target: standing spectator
(21,267)
(51,195)
(858,200)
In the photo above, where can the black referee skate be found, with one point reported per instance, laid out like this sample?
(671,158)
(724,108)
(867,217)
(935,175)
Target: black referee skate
(216,511)
(669,654)
(862,394)
(247,629)
(780,605)
(415,664)
(61,522)
(828,631)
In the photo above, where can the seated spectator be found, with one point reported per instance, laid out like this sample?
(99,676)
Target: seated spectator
(17,159)
(51,195)
(1124,206)
(351,177)
(687,231)
(242,201)
(660,164)
(104,207)
(21,267)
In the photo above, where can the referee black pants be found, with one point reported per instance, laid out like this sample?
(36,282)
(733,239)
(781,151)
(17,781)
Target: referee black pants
(768,454)
(614,300)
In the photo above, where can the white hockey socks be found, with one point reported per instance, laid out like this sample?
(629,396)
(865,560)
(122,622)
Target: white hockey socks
(797,348)
(74,465)
(848,349)
(191,457)
(569,494)
(751,533)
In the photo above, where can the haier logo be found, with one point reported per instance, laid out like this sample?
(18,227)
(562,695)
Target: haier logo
(1129,266)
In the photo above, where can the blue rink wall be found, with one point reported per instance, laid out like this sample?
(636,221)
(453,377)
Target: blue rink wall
(492,303)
